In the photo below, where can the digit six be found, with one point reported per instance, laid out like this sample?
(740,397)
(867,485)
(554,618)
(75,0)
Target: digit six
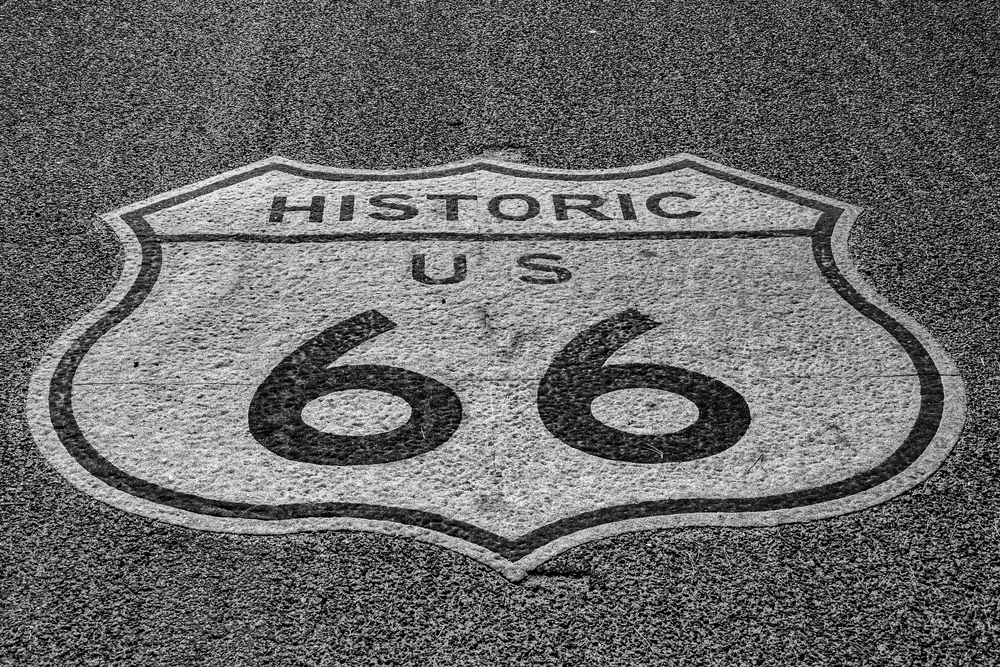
(577,376)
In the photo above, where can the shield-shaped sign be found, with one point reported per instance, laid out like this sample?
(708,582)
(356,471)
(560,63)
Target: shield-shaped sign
(504,360)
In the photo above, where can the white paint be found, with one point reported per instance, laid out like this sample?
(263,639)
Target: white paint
(356,412)
(644,411)
(164,394)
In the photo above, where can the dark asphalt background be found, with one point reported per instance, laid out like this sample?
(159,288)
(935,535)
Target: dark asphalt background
(889,105)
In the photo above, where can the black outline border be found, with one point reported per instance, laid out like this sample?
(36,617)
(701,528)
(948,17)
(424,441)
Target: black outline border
(63,420)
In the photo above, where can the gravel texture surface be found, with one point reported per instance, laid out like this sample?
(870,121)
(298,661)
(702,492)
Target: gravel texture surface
(884,105)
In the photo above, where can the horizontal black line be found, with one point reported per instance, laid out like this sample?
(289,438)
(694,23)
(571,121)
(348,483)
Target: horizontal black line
(526,380)
(165,383)
(480,236)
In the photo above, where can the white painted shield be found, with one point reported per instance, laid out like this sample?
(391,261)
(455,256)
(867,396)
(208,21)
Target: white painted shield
(504,360)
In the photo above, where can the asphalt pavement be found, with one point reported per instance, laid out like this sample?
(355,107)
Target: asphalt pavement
(889,106)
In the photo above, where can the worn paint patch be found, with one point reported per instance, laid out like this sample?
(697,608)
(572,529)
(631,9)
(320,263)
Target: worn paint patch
(501,359)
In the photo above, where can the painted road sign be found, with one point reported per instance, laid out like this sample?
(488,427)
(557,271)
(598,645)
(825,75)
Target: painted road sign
(504,360)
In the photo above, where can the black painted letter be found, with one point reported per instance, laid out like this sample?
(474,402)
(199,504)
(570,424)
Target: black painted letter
(279,207)
(628,208)
(654,204)
(405,210)
(419,271)
(347,208)
(590,206)
(527,261)
(451,204)
(531,212)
